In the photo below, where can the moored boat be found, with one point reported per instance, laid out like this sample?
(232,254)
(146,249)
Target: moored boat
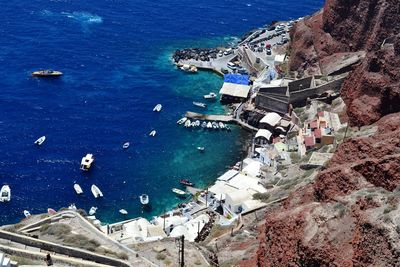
(92,210)
(126,145)
(157,108)
(86,162)
(221,125)
(210,96)
(47,73)
(178,191)
(189,68)
(123,212)
(27,214)
(188,123)
(78,189)
(5,193)
(51,211)
(96,191)
(72,207)
(186,182)
(197,123)
(144,199)
(182,120)
(201,148)
(199,104)
(204,124)
(153,133)
(40,141)
(214,125)
(209,125)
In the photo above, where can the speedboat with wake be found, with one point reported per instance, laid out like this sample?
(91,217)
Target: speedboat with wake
(186,182)
(199,104)
(40,141)
(96,191)
(144,199)
(157,108)
(47,73)
(5,193)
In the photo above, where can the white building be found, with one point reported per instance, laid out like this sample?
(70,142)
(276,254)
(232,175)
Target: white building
(4,261)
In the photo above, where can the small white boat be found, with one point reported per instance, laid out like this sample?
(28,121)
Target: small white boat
(5,193)
(214,125)
(40,141)
(144,199)
(188,123)
(178,191)
(193,124)
(96,191)
(204,124)
(199,104)
(126,145)
(46,73)
(86,162)
(27,214)
(72,207)
(210,96)
(92,210)
(157,108)
(209,125)
(200,148)
(78,189)
(221,125)
(181,121)
(189,68)
(122,211)
(197,123)
(153,133)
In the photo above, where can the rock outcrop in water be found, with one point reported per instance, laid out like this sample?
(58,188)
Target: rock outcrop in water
(349,215)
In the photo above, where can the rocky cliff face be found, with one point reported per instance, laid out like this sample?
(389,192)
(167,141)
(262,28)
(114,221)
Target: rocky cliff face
(349,215)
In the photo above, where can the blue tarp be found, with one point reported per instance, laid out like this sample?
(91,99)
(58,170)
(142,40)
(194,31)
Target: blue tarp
(236,79)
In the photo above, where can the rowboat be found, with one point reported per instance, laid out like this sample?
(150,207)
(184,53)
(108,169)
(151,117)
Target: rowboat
(144,199)
(78,189)
(178,191)
(96,191)
(157,108)
(40,141)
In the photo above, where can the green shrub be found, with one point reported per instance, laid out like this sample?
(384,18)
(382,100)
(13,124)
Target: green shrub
(261,196)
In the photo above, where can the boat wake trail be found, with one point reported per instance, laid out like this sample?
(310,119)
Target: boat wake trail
(84,17)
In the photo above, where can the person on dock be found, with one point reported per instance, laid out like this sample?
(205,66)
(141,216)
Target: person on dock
(48,260)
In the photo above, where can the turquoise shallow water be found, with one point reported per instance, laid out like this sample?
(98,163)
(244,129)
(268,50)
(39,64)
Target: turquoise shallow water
(115,59)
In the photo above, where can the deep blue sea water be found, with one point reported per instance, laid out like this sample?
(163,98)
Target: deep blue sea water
(115,55)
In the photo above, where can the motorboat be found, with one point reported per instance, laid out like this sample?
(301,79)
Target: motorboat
(193,124)
(78,189)
(5,193)
(189,68)
(157,108)
(153,133)
(51,211)
(123,212)
(197,123)
(186,182)
(40,141)
(126,145)
(144,199)
(47,73)
(27,214)
(188,123)
(210,96)
(209,125)
(221,125)
(178,192)
(96,191)
(86,162)
(201,148)
(199,104)
(92,210)
(214,125)
(181,121)
(204,124)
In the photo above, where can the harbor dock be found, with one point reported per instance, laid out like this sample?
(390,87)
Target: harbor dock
(205,117)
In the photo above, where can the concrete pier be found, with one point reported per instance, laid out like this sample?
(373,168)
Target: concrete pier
(206,117)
